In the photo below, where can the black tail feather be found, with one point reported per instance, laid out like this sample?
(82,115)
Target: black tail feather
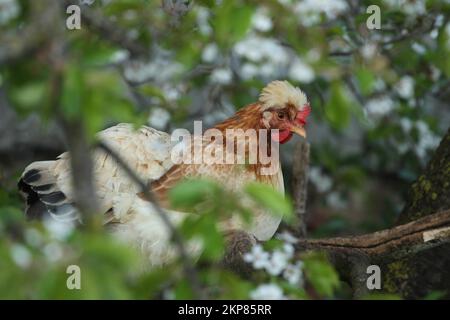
(44,198)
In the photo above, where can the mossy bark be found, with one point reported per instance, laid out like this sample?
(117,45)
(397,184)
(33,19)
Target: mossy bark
(415,277)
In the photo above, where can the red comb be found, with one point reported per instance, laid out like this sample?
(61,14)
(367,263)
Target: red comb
(303,114)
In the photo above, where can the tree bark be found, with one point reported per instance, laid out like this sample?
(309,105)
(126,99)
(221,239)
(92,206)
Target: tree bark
(416,276)
(300,169)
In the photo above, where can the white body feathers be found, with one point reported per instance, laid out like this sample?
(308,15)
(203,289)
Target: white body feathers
(148,152)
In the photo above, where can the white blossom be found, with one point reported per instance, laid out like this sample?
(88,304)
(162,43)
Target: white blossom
(86,2)
(53,251)
(409,7)
(418,48)
(267,57)
(161,69)
(221,76)
(171,93)
(368,51)
(120,56)
(335,200)
(159,118)
(168,294)
(9,9)
(414,7)
(405,87)
(257,257)
(402,148)
(380,107)
(268,70)
(285,2)
(439,22)
(309,11)
(427,140)
(268,291)
(434,33)
(249,71)
(379,84)
(406,124)
(287,237)
(277,263)
(256,48)
(288,249)
(58,230)
(210,53)
(300,71)
(33,237)
(202,21)
(293,273)
(21,255)
(322,182)
(435,73)
(261,21)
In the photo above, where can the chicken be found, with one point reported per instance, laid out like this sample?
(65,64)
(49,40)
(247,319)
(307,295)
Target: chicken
(280,111)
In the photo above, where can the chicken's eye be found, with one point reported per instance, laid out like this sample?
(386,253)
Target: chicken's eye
(281,115)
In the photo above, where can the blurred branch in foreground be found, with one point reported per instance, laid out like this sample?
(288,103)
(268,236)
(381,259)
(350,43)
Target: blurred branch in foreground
(190,271)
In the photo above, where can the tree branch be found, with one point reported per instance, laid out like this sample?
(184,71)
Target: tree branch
(74,133)
(300,183)
(389,244)
(109,31)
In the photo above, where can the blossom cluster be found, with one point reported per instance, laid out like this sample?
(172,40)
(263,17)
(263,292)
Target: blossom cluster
(279,262)
(9,9)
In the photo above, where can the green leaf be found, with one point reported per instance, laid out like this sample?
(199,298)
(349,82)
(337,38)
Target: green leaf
(337,110)
(365,80)
(73,91)
(189,193)
(204,227)
(435,295)
(321,273)
(270,198)
(29,96)
(231,22)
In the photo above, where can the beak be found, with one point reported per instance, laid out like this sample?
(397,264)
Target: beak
(299,130)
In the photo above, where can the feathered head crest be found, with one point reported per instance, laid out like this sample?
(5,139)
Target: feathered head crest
(278,94)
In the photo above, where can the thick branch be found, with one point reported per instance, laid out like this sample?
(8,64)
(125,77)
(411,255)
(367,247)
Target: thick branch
(394,243)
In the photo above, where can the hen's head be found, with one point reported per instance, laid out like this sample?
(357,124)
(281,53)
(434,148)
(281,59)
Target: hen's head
(284,107)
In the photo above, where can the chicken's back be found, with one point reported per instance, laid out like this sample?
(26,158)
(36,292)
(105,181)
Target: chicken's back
(47,185)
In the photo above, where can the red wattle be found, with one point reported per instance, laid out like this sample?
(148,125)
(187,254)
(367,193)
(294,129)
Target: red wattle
(283,136)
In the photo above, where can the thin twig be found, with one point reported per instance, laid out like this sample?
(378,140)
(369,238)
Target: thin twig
(189,269)
(109,31)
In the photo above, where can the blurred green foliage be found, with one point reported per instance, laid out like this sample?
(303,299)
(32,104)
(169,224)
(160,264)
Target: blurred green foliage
(370,137)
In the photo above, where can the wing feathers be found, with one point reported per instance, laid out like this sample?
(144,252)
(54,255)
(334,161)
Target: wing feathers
(145,150)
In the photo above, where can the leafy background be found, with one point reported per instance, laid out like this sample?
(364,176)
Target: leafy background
(379,100)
